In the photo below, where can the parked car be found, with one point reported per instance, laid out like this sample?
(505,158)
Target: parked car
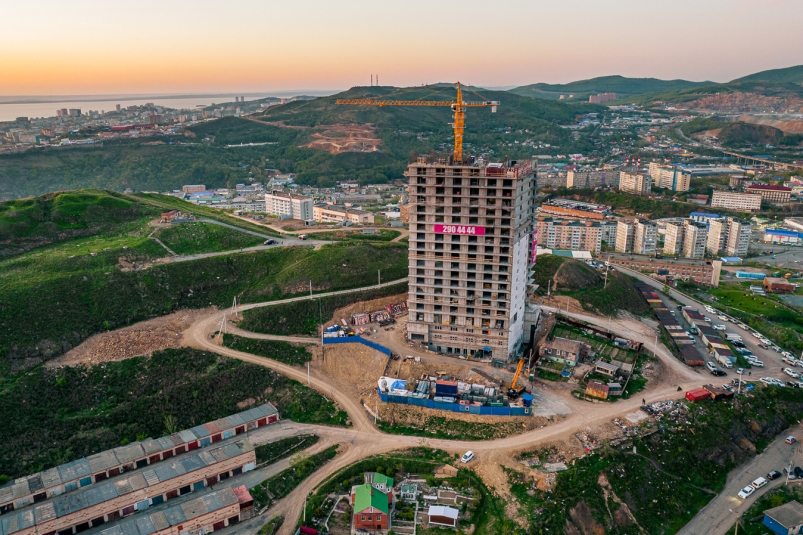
(707,319)
(737,343)
(775,474)
(719,327)
(711,366)
(758,483)
(467,456)
(723,318)
(767,380)
(745,492)
(789,360)
(798,472)
(790,439)
(789,474)
(757,363)
(719,373)
(727,387)
(791,373)
(270,242)
(740,371)
(302,236)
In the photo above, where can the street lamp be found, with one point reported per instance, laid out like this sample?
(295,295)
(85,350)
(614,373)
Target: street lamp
(738,516)
(739,387)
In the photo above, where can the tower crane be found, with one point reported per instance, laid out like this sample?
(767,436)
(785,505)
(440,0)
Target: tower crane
(458,106)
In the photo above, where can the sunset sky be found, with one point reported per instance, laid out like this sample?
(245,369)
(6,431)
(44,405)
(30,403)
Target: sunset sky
(98,46)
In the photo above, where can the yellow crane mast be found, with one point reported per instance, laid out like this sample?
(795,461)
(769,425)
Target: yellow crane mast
(458,106)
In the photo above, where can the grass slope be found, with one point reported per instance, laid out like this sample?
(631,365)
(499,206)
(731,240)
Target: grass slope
(83,410)
(53,298)
(303,317)
(785,75)
(194,238)
(577,280)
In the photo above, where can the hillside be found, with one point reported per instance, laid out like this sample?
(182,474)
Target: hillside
(585,284)
(199,154)
(785,75)
(604,84)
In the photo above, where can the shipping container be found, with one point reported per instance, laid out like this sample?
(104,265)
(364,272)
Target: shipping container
(698,394)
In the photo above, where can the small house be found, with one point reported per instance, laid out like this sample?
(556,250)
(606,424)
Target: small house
(409,492)
(445,471)
(562,350)
(786,519)
(371,508)
(597,389)
(778,285)
(717,392)
(441,515)
(169,217)
(379,481)
(614,389)
(606,369)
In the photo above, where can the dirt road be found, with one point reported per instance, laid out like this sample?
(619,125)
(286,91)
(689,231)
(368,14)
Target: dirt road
(364,439)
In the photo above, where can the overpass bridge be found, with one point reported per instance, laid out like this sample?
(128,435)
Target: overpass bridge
(755,159)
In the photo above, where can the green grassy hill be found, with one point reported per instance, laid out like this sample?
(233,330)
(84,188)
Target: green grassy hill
(579,281)
(604,84)
(734,134)
(785,75)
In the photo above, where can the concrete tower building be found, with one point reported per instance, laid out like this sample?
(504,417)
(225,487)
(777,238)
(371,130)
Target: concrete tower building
(695,238)
(717,235)
(470,250)
(645,237)
(673,239)
(738,241)
(624,236)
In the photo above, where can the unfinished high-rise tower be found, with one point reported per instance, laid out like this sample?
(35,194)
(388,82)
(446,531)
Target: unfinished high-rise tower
(471,228)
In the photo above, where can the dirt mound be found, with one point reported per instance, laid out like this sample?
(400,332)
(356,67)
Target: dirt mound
(337,138)
(372,305)
(574,275)
(787,126)
(746,102)
(141,339)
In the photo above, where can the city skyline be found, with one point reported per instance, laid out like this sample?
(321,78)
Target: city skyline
(92,47)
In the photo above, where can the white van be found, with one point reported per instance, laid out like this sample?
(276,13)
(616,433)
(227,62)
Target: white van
(467,456)
(758,483)
(711,366)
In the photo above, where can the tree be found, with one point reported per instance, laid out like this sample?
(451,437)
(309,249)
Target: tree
(171,425)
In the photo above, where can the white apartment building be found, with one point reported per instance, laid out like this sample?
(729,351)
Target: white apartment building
(738,241)
(742,202)
(695,238)
(634,183)
(289,204)
(668,177)
(673,238)
(625,231)
(645,237)
(717,235)
(469,255)
(591,179)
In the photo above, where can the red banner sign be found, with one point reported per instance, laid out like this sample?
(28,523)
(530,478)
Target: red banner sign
(460,229)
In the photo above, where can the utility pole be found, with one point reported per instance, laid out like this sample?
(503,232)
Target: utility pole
(310,288)
(379,278)
(307,373)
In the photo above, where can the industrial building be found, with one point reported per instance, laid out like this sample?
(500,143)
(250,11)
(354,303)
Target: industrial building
(569,208)
(338,213)
(769,193)
(122,495)
(288,205)
(740,202)
(704,272)
(568,234)
(469,253)
(86,471)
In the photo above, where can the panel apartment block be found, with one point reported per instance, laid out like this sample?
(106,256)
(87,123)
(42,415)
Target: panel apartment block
(742,202)
(569,235)
(470,246)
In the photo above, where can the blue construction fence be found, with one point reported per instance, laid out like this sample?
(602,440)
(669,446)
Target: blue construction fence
(456,407)
(357,340)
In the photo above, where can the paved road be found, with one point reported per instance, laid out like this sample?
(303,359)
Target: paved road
(720,514)
(773,367)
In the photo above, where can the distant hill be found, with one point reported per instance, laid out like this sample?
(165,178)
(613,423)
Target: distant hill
(786,75)
(605,84)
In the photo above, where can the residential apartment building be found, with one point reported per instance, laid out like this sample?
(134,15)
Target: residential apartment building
(717,235)
(571,235)
(701,271)
(338,213)
(695,238)
(669,177)
(591,179)
(645,237)
(634,183)
(738,240)
(607,232)
(773,194)
(289,205)
(625,231)
(470,250)
(740,202)
(673,238)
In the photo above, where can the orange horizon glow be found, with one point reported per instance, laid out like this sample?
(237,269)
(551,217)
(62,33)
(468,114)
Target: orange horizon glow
(98,47)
